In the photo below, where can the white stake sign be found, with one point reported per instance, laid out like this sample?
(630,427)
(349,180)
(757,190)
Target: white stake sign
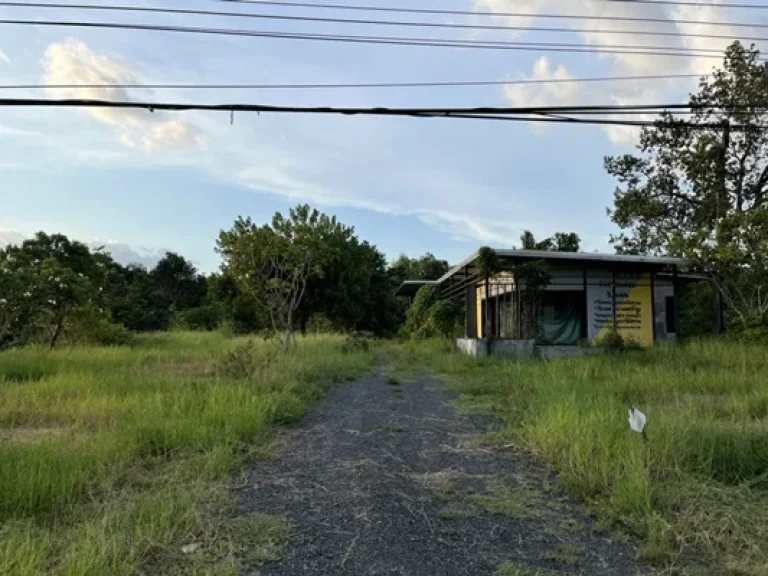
(637,420)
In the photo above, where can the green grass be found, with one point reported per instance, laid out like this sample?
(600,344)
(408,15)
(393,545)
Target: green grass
(698,496)
(112,459)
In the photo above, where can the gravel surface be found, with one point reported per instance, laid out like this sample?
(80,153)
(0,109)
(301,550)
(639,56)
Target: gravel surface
(389,479)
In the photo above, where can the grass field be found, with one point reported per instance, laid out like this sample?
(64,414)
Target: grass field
(113,459)
(697,496)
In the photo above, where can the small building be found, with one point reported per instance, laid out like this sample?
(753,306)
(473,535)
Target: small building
(585,297)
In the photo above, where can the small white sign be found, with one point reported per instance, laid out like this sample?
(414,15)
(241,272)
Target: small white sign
(637,420)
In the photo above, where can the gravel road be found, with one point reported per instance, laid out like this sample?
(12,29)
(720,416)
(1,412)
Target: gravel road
(389,479)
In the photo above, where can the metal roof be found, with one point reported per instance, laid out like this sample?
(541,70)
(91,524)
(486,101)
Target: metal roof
(574,257)
(410,287)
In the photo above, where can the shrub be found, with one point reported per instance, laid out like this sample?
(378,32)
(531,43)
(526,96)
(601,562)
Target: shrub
(90,325)
(320,324)
(752,333)
(355,343)
(429,316)
(245,361)
(207,317)
(611,340)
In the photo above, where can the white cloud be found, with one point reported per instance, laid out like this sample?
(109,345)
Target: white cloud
(544,94)
(481,230)
(624,34)
(71,62)
(8,237)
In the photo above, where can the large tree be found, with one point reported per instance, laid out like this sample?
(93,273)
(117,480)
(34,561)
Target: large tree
(43,281)
(273,263)
(699,185)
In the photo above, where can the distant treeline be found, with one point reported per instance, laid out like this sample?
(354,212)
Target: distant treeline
(54,289)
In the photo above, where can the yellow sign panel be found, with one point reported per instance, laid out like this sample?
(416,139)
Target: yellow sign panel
(634,307)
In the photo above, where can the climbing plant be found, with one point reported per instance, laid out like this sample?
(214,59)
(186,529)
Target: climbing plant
(532,279)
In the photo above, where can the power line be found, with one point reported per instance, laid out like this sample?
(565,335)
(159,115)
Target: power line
(520,114)
(698,4)
(362,21)
(467,83)
(446,12)
(392,40)
(371,111)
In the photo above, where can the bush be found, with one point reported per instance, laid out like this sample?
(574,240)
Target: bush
(90,325)
(207,317)
(245,361)
(355,343)
(611,340)
(753,333)
(429,316)
(320,324)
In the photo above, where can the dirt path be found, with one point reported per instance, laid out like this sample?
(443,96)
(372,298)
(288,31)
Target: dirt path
(389,479)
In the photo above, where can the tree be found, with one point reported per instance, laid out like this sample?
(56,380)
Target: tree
(698,187)
(273,263)
(44,281)
(560,242)
(178,283)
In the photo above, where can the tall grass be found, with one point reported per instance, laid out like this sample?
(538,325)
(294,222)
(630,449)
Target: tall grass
(112,458)
(698,493)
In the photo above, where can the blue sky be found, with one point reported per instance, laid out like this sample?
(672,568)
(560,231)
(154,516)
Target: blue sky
(153,182)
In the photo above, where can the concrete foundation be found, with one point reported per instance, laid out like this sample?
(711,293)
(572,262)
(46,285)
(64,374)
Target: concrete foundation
(511,348)
(523,349)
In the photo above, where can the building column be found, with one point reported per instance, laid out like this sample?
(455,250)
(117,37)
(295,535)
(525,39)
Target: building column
(613,301)
(471,313)
(652,276)
(676,292)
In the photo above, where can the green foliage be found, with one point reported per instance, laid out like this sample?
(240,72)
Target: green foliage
(611,340)
(697,309)
(206,317)
(560,242)
(429,316)
(320,324)
(355,343)
(46,281)
(751,333)
(533,278)
(47,278)
(178,283)
(488,261)
(701,192)
(90,325)
(308,264)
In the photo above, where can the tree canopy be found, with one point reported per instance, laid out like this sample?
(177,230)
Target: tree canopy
(698,186)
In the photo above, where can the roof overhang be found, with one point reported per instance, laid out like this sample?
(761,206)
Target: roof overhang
(410,287)
(509,258)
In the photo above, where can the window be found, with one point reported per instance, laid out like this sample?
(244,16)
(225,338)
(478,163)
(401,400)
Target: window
(671,316)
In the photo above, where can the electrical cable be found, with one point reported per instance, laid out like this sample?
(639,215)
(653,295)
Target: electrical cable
(389,40)
(361,21)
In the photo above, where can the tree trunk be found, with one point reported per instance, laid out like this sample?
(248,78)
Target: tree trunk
(56,334)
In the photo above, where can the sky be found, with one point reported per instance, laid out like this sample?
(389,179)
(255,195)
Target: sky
(142,183)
